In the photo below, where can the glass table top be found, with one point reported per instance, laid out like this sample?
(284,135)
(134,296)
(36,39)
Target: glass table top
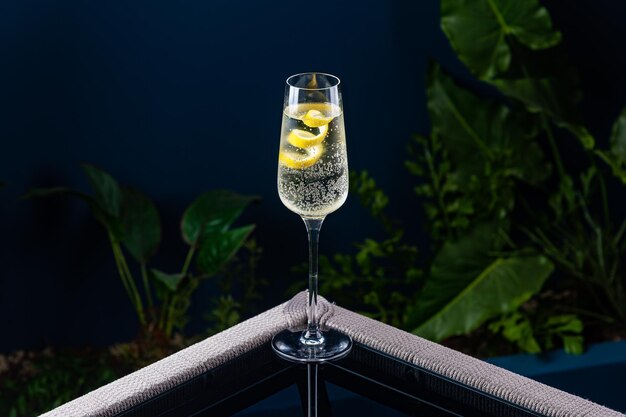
(367,383)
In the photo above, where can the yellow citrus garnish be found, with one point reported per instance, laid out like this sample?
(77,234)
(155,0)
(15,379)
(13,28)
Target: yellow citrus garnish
(301,160)
(303,139)
(315,118)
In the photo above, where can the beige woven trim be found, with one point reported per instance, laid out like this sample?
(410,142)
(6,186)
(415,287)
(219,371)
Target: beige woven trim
(455,365)
(133,389)
(152,380)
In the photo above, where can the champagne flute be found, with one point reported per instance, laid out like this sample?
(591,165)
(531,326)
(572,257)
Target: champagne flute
(312,182)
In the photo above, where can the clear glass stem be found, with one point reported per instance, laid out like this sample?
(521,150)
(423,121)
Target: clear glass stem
(312,335)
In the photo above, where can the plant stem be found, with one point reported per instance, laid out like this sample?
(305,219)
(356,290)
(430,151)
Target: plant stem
(117,250)
(468,129)
(496,12)
(620,233)
(553,147)
(168,319)
(127,279)
(187,263)
(544,242)
(584,312)
(605,200)
(437,188)
(146,287)
(609,293)
(603,192)
(120,271)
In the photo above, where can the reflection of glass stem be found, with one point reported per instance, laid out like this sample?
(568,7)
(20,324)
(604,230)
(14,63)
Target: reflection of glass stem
(311,390)
(312,336)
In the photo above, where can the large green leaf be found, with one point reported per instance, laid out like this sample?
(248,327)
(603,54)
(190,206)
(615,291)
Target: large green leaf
(503,42)
(107,192)
(212,212)
(545,83)
(453,269)
(500,288)
(480,134)
(478,31)
(554,97)
(142,225)
(169,281)
(218,248)
(618,137)
(616,156)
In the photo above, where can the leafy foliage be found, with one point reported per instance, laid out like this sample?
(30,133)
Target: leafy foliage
(505,211)
(239,291)
(446,208)
(218,248)
(457,264)
(498,289)
(132,222)
(615,157)
(142,225)
(533,335)
(34,383)
(515,49)
(210,213)
(500,41)
(381,274)
(476,131)
(478,31)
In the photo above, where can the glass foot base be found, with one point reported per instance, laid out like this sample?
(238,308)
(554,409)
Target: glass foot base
(288,345)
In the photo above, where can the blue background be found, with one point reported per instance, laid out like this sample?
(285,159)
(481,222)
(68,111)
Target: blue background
(176,98)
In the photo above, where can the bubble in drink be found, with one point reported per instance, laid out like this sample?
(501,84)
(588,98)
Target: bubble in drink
(313,166)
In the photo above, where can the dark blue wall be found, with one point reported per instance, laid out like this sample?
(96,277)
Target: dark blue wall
(177,98)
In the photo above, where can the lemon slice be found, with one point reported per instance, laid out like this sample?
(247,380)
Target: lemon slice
(301,160)
(315,118)
(303,139)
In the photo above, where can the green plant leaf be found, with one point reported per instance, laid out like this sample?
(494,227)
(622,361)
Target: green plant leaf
(212,212)
(499,41)
(371,196)
(563,323)
(218,248)
(107,192)
(516,328)
(500,288)
(616,156)
(573,345)
(480,133)
(618,137)
(142,225)
(225,314)
(456,265)
(169,281)
(478,31)
(551,96)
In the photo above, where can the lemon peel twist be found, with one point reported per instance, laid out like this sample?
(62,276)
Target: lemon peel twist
(309,146)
